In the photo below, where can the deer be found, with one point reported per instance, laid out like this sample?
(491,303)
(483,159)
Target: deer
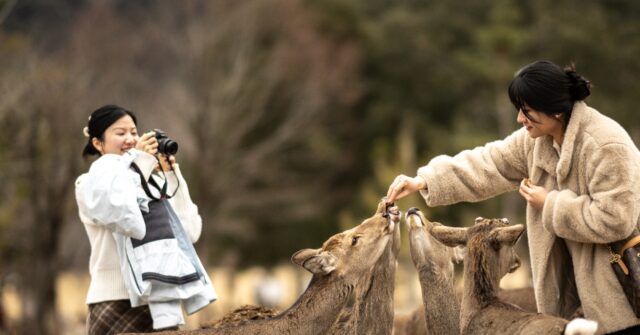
(372,311)
(336,268)
(440,313)
(491,255)
(434,262)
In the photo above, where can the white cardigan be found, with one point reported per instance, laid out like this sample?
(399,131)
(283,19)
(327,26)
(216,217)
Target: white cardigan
(109,199)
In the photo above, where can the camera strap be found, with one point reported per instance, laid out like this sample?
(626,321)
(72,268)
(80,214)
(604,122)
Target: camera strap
(145,185)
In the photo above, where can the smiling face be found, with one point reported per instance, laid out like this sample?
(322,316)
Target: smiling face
(538,123)
(119,138)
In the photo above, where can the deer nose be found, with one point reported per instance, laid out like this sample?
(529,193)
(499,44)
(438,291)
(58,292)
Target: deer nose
(412,210)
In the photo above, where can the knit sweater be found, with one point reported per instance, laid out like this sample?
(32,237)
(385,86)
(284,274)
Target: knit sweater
(120,207)
(593,199)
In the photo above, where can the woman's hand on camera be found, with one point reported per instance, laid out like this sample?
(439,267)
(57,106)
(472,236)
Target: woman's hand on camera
(148,143)
(403,186)
(166,162)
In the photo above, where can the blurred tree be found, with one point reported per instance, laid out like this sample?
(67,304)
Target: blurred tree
(267,95)
(601,39)
(39,165)
(292,116)
(495,50)
(417,85)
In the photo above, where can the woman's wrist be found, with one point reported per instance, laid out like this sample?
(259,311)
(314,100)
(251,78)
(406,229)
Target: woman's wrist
(422,183)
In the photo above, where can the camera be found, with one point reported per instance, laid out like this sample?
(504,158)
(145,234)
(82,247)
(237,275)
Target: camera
(166,146)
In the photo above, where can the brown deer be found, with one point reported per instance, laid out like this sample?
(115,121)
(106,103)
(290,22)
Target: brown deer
(336,267)
(372,311)
(490,255)
(434,263)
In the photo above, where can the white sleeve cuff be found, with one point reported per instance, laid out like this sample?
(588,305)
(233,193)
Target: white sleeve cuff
(145,161)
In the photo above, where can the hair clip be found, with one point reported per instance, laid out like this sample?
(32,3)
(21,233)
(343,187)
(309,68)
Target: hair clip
(85,131)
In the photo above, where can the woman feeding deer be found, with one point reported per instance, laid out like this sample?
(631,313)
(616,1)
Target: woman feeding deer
(579,172)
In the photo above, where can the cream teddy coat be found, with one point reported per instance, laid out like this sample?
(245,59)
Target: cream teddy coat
(593,199)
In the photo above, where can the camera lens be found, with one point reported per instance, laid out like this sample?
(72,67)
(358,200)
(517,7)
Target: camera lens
(167,146)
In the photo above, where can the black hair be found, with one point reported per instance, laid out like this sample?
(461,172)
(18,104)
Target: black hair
(548,88)
(99,121)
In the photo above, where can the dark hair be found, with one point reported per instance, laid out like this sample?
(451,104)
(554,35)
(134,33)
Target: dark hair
(548,88)
(99,121)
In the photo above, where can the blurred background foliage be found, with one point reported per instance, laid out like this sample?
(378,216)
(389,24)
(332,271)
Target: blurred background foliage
(293,116)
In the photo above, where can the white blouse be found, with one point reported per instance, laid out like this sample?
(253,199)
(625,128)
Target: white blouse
(110,199)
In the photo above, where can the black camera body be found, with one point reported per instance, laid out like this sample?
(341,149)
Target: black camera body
(166,146)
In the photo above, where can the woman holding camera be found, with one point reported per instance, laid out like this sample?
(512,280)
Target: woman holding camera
(115,206)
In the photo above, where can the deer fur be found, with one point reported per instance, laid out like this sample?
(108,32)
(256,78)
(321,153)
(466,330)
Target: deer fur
(434,263)
(336,267)
(241,314)
(490,255)
(372,311)
(414,323)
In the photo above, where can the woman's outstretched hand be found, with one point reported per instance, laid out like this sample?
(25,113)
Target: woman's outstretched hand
(403,186)
(535,195)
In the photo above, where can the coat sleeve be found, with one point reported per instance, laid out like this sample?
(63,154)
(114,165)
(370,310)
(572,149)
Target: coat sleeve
(184,207)
(478,174)
(106,195)
(609,210)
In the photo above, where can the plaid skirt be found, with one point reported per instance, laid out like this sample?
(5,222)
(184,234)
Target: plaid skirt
(114,317)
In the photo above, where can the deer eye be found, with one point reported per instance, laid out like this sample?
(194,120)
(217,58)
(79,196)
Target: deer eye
(354,240)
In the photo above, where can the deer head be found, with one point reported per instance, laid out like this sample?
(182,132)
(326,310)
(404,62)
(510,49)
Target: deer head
(490,252)
(425,249)
(353,252)
(495,237)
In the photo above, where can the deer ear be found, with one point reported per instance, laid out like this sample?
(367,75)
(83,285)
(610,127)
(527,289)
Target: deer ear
(382,206)
(315,261)
(450,236)
(509,235)
(429,224)
(303,255)
(459,252)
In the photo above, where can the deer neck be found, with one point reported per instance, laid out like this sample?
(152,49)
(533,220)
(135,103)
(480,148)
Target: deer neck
(480,286)
(373,310)
(442,309)
(319,306)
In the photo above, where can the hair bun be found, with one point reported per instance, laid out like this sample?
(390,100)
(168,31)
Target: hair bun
(580,87)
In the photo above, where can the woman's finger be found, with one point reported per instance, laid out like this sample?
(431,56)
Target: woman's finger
(392,189)
(523,194)
(147,136)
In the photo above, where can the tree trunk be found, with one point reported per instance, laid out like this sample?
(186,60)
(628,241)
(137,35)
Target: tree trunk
(38,298)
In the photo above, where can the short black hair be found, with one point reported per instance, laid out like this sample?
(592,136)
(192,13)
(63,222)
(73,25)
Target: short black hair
(548,88)
(99,121)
